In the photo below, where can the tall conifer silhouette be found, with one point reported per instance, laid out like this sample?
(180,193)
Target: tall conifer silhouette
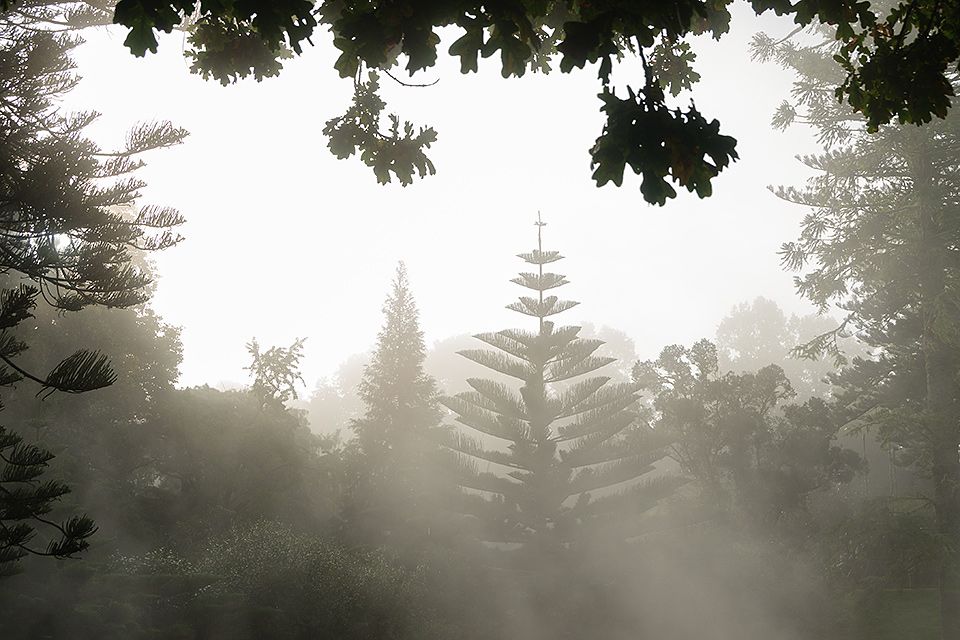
(564,450)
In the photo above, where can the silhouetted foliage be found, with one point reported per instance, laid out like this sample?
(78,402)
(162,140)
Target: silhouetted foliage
(68,229)
(734,434)
(387,153)
(105,442)
(548,459)
(395,489)
(223,459)
(67,217)
(25,502)
(881,240)
(886,73)
(255,580)
(275,372)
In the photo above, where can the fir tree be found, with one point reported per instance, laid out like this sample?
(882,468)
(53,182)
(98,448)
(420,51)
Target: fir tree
(542,453)
(395,434)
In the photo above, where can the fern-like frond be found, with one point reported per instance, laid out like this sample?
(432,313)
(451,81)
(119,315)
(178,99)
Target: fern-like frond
(571,368)
(610,473)
(539,282)
(472,447)
(481,418)
(83,371)
(500,362)
(540,257)
(500,397)
(610,398)
(507,343)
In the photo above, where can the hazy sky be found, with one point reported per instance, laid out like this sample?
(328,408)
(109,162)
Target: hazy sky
(284,240)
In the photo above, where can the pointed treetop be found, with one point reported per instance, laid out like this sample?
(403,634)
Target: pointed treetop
(400,299)
(394,377)
(538,256)
(540,307)
(540,224)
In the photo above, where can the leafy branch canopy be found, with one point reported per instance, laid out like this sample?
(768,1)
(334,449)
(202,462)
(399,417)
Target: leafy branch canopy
(896,61)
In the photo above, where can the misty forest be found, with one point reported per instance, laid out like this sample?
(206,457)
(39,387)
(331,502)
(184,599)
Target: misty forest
(523,320)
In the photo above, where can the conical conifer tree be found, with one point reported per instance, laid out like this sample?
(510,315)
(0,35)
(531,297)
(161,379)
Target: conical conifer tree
(565,450)
(394,436)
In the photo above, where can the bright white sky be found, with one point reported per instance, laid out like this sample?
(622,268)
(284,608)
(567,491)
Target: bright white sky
(284,240)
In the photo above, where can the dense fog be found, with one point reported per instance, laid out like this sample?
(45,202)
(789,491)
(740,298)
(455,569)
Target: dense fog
(513,320)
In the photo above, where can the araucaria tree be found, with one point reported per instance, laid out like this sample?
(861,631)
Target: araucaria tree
(25,501)
(565,450)
(395,436)
(68,232)
(882,239)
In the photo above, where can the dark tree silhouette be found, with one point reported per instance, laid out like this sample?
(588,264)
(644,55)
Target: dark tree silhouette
(68,229)
(559,455)
(882,240)
(275,372)
(734,433)
(895,65)
(25,501)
